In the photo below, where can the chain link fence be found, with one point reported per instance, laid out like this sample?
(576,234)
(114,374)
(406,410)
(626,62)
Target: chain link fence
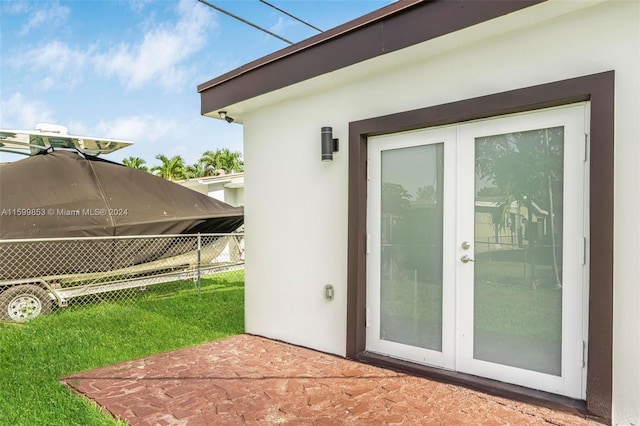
(41,276)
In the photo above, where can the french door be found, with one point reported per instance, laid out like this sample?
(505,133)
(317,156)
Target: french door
(477,246)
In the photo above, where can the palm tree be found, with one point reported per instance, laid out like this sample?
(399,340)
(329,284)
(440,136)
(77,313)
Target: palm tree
(222,159)
(135,163)
(171,168)
(231,162)
(197,170)
(209,161)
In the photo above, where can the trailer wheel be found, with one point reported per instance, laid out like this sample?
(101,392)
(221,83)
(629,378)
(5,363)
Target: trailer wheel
(23,303)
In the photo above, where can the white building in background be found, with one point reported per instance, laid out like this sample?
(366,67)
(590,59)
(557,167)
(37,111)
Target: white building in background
(226,188)
(431,79)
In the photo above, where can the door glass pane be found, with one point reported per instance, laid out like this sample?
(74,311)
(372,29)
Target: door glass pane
(411,246)
(518,249)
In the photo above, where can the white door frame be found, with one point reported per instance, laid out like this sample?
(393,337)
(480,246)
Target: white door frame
(457,346)
(444,359)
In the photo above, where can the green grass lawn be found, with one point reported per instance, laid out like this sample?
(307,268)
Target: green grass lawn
(35,355)
(519,311)
(505,302)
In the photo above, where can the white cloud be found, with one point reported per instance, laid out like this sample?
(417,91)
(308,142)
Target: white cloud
(49,14)
(139,5)
(15,7)
(78,128)
(151,135)
(158,57)
(187,153)
(20,113)
(280,25)
(63,66)
(138,128)
(161,53)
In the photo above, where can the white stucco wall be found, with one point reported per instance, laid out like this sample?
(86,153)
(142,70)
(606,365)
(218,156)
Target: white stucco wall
(216,191)
(296,215)
(225,191)
(198,188)
(234,196)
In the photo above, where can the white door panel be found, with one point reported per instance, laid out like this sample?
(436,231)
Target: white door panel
(409,319)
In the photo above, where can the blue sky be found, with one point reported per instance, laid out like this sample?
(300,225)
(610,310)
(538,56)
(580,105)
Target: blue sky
(129,69)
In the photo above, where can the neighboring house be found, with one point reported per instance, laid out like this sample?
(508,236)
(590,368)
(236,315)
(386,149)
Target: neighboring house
(423,96)
(227,188)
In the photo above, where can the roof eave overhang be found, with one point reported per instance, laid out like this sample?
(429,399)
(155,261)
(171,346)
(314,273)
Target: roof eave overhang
(397,26)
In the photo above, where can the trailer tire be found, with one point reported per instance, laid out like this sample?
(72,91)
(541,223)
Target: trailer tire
(23,303)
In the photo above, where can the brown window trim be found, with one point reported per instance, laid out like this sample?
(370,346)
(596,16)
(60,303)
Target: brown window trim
(596,88)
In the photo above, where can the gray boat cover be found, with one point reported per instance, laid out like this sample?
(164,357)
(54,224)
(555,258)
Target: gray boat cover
(67,194)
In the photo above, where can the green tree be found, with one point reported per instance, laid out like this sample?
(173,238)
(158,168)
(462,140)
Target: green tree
(170,168)
(395,199)
(197,170)
(526,168)
(222,159)
(209,162)
(135,163)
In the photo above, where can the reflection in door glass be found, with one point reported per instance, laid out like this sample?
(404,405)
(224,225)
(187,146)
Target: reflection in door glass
(411,246)
(518,249)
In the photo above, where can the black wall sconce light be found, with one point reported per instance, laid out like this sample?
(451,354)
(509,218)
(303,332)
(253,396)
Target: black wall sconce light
(329,144)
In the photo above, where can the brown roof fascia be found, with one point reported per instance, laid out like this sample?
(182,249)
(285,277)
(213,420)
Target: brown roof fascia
(311,41)
(396,26)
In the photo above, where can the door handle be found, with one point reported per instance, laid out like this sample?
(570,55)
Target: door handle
(466,259)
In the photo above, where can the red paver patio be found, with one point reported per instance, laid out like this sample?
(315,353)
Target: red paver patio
(253,380)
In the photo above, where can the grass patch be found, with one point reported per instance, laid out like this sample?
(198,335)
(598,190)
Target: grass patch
(505,302)
(415,300)
(35,355)
(519,311)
